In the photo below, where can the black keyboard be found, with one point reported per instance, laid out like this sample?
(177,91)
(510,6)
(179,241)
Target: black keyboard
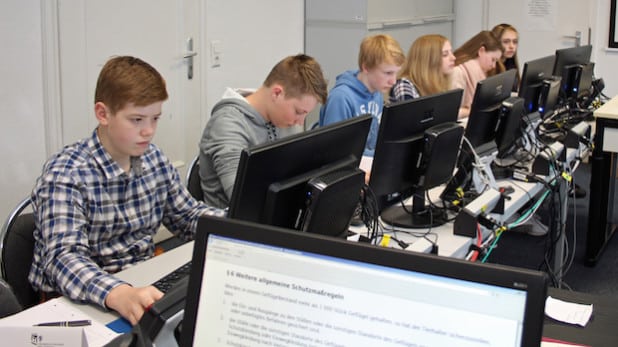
(168,281)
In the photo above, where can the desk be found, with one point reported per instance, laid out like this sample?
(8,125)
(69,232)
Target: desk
(602,181)
(600,330)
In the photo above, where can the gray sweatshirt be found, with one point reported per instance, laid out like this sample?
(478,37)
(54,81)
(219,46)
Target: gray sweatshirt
(234,125)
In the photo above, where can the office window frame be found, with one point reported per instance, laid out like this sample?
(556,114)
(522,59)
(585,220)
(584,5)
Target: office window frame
(613,39)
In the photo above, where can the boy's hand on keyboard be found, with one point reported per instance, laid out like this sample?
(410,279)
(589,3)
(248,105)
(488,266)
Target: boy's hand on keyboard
(131,302)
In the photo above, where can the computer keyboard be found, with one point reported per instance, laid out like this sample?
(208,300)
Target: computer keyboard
(168,281)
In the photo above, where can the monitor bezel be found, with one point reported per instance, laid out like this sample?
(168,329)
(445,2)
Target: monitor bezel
(320,150)
(409,129)
(488,97)
(533,74)
(533,282)
(572,55)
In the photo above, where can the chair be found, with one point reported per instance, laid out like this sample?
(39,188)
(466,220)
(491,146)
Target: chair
(193,180)
(16,250)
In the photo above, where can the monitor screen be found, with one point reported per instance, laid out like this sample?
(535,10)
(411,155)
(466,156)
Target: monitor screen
(397,171)
(568,65)
(485,111)
(257,285)
(277,182)
(534,73)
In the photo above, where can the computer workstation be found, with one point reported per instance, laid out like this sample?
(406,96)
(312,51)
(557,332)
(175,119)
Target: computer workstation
(308,182)
(416,150)
(258,284)
(274,181)
(437,272)
(180,264)
(291,186)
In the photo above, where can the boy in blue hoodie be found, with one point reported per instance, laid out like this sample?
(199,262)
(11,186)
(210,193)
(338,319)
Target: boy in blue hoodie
(358,92)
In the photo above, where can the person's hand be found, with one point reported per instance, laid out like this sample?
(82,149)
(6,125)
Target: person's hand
(464,112)
(131,302)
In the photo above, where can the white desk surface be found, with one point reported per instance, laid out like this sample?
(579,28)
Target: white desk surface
(608,110)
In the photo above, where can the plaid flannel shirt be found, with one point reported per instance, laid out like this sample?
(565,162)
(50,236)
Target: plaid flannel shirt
(93,219)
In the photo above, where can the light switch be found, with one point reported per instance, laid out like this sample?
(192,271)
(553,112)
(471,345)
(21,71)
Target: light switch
(215,53)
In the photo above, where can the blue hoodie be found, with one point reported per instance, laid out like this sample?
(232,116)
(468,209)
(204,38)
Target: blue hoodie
(351,98)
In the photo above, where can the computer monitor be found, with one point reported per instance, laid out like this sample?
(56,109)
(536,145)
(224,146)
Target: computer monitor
(537,76)
(402,165)
(490,122)
(571,64)
(258,285)
(308,181)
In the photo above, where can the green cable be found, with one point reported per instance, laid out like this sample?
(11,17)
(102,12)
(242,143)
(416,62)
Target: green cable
(515,223)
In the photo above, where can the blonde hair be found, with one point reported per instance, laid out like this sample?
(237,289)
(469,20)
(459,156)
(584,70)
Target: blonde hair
(470,49)
(423,65)
(378,49)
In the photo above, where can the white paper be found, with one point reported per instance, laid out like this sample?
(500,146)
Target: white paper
(56,310)
(365,163)
(568,312)
(540,14)
(28,336)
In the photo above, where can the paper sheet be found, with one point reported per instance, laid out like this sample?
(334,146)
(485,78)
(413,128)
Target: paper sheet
(55,310)
(568,312)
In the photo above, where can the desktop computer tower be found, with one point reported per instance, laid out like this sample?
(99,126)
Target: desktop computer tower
(549,95)
(330,202)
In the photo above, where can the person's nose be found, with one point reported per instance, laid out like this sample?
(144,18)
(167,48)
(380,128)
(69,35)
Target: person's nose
(149,128)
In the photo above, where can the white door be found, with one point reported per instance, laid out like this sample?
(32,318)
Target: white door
(90,32)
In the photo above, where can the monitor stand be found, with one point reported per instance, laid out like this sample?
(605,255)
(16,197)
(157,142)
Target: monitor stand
(482,174)
(530,140)
(417,216)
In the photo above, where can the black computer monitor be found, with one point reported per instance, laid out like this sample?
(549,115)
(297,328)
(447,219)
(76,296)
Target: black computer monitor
(308,181)
(537,85)
(402,164)
(257,285)
(572,64)
(491,120)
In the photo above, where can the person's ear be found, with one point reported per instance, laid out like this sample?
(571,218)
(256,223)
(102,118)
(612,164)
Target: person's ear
(101,112)
(482,50)
(277,90)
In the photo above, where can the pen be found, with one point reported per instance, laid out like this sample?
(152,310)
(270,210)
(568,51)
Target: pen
(72,323)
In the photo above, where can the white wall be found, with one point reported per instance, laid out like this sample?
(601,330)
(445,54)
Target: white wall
(467,23)
(253,36)
(21,101)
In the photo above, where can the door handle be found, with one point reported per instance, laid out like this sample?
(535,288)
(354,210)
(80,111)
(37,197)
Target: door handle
(189,54)
(577,37)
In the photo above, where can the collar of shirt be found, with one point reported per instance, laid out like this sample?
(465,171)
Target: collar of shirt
(109,165)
